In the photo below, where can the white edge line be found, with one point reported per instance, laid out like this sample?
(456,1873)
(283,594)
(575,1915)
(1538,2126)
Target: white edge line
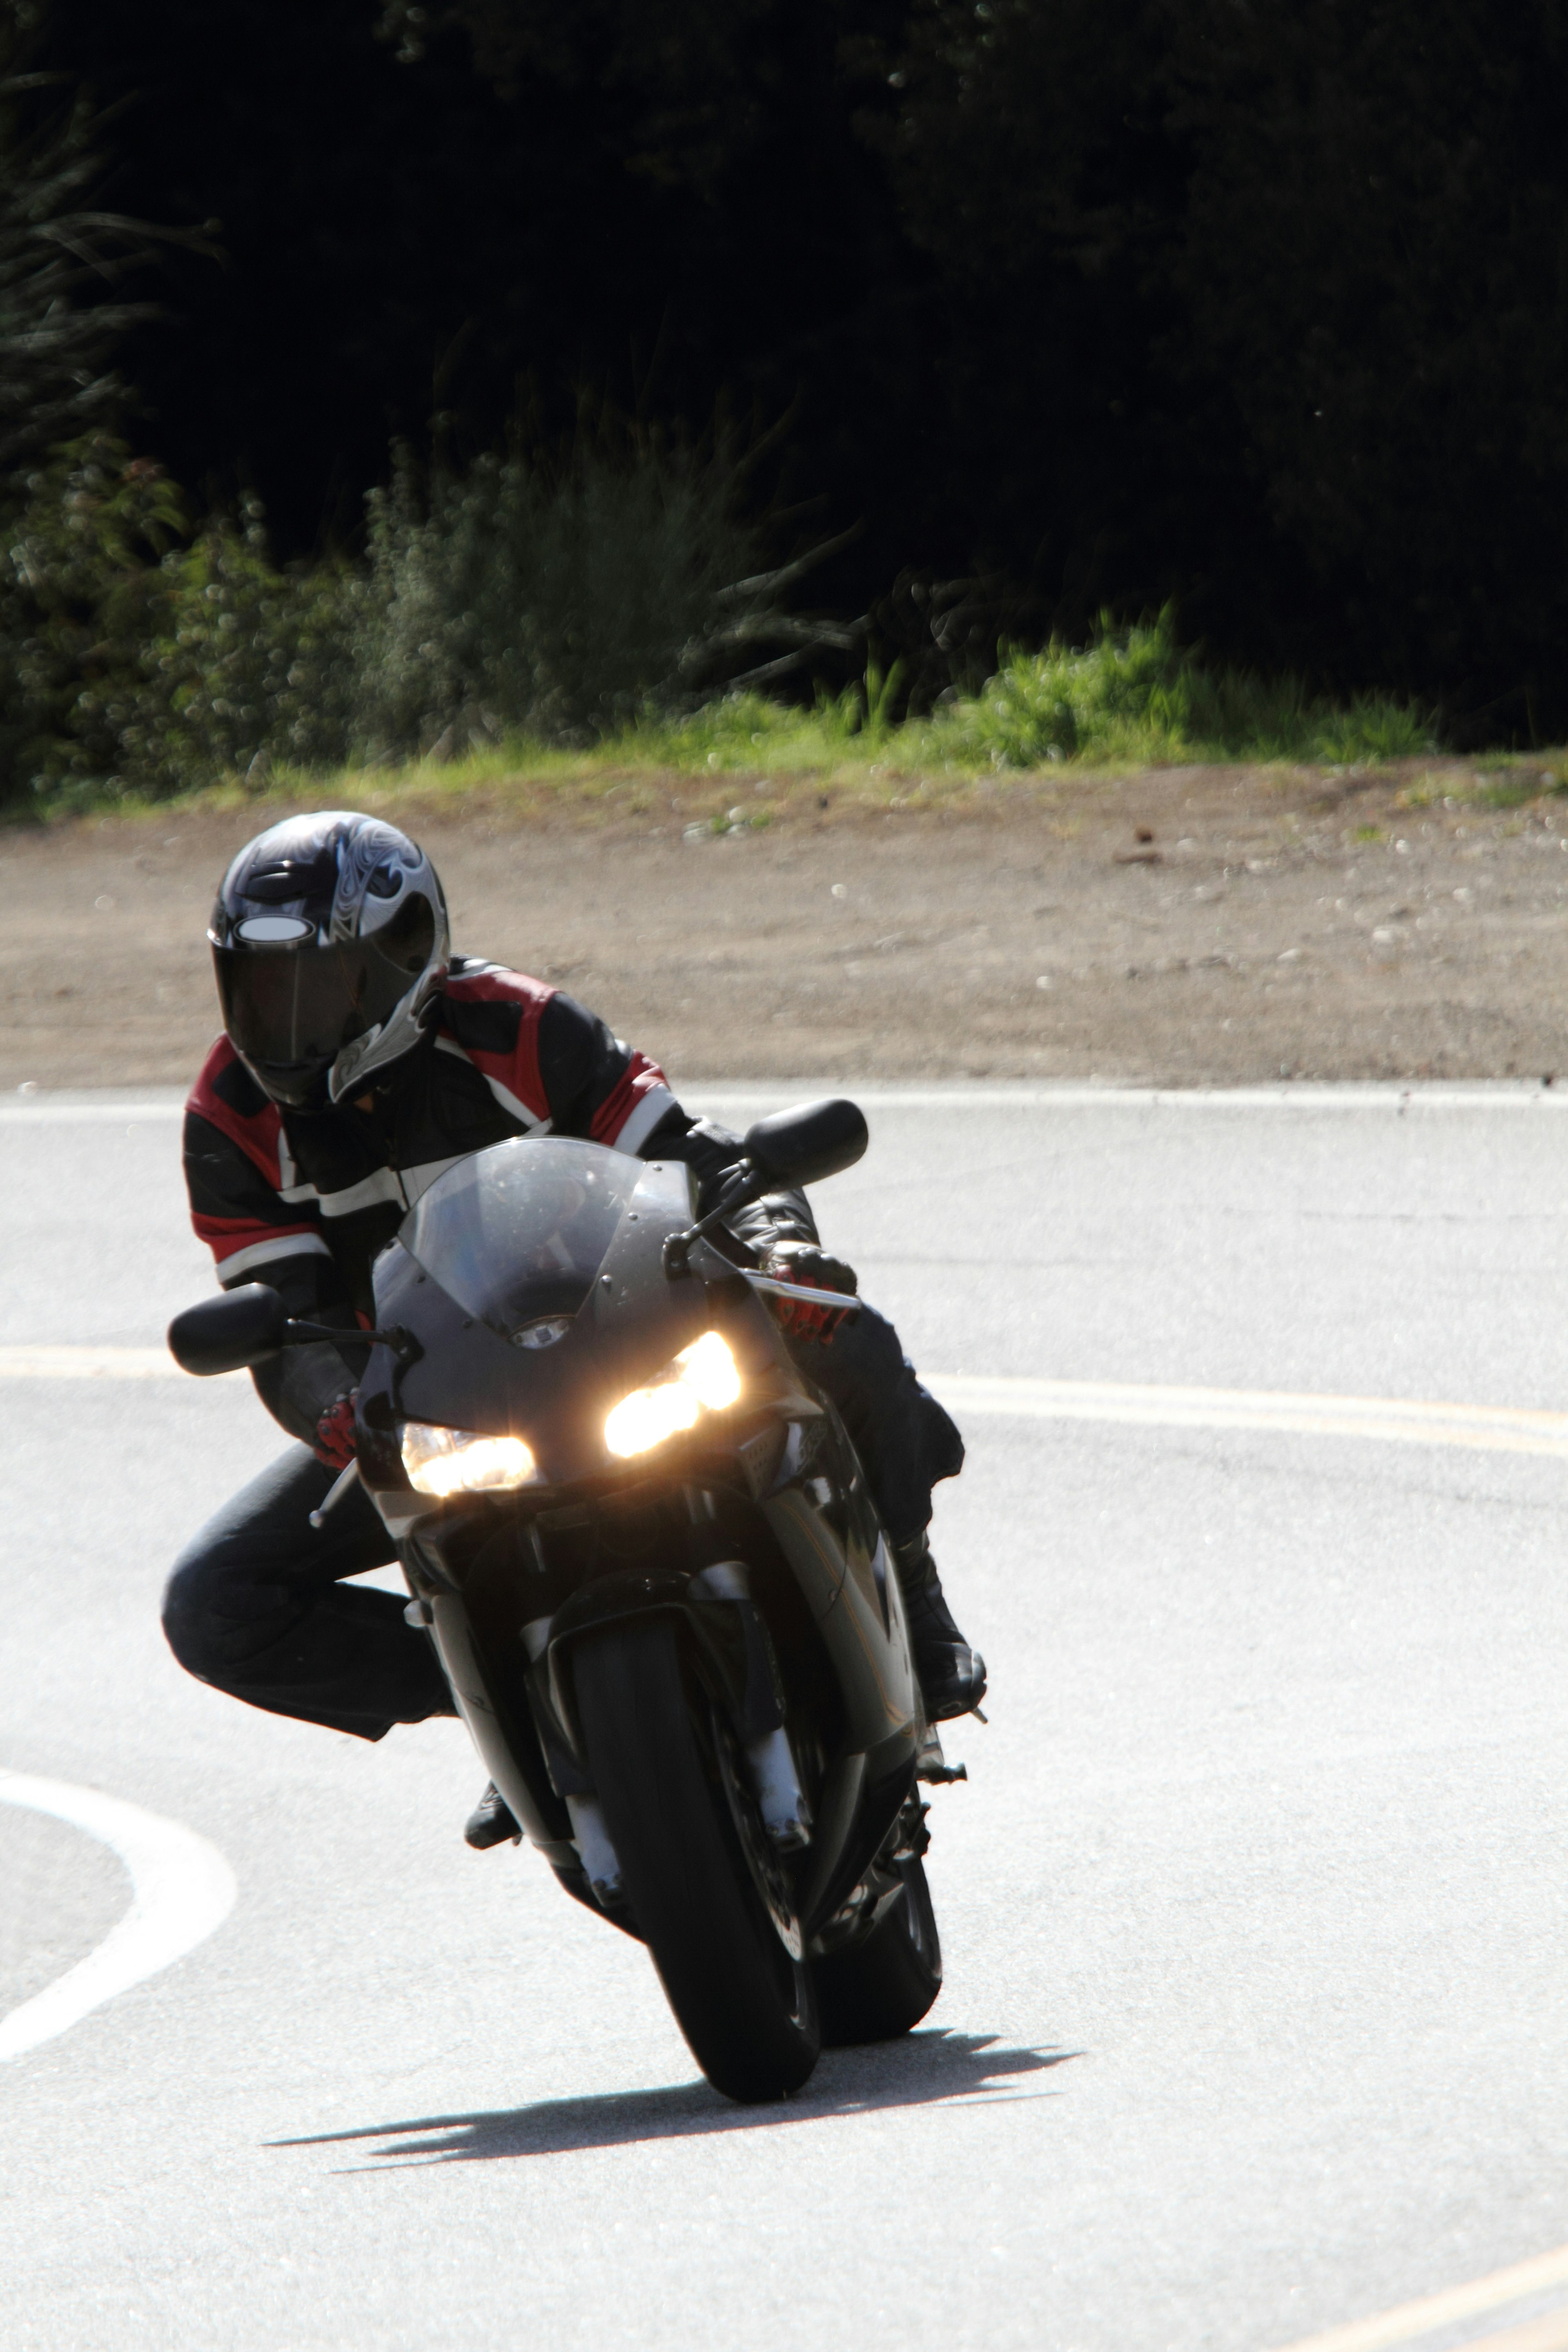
(1069,1094)
(66,1113)
(182,1890)
(1005,1094)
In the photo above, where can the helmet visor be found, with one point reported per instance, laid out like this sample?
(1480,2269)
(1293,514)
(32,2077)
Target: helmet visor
(297,1008)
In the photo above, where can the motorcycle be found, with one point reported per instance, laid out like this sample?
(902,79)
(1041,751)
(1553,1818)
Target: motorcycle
(646,1551)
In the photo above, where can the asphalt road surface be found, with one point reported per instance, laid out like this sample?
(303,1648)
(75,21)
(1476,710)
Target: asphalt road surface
(1254,1908)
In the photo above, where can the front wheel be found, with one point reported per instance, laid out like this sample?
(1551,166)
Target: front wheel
(701,1877)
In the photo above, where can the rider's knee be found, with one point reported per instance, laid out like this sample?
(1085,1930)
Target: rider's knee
(186,1615)
(872,1344)
(216,1614)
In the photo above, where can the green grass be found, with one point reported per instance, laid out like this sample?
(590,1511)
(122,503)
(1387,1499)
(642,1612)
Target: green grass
(1131,698)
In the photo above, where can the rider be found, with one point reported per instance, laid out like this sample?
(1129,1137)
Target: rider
(360,1059)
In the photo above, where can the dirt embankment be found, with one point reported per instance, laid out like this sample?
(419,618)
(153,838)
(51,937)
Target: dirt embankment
(1180,926)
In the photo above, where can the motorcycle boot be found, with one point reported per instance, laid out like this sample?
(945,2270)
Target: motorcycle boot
(491,1823)
(951,1674)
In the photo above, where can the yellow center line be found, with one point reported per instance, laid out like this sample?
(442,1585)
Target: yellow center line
(1547,2334)
(89,1364)
(1475,2296)
(1399,1420)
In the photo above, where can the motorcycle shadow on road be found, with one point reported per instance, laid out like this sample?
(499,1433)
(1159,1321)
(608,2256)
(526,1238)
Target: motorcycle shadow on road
(933,2068)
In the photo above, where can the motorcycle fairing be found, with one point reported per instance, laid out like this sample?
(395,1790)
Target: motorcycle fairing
(513,1581)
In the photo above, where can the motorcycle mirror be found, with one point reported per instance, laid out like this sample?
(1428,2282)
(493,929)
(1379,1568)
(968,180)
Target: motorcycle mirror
(812,1141)
(225,1334)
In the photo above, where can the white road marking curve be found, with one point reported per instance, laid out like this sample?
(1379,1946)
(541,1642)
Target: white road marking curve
(181,1889)
(1389,1421)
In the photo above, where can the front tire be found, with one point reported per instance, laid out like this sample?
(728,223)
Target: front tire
(706,1894)
(882,1987)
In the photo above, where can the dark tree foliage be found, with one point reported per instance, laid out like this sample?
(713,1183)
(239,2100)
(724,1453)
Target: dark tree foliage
(1296,279)
(1260,305)
(64,264)
(1375,263)
(669,207)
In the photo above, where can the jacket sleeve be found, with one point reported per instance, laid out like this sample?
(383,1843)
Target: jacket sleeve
(234,1179)
(547,1058)
(597,1088)
(603,1089)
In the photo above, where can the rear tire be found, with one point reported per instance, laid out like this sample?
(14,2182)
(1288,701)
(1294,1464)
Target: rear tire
(703,1887)
(875,1991)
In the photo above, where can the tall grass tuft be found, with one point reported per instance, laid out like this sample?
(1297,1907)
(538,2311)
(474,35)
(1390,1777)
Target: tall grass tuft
(1135,694)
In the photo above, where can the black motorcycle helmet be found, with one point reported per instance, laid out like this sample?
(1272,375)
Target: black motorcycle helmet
(331,942)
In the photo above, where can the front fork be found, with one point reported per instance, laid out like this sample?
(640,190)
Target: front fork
(765,1743)
(751,1699)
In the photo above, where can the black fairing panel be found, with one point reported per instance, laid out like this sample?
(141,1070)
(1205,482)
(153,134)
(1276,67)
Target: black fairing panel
(468,1378)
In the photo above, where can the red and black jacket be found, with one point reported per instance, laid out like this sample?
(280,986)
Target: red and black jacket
(304,1201)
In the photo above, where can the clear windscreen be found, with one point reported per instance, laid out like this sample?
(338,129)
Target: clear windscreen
(518,1232)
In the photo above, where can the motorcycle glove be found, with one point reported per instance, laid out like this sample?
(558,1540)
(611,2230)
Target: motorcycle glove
(816,1269)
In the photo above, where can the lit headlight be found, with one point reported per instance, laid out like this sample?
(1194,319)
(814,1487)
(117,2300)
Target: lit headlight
(702,1374)
(460,1462)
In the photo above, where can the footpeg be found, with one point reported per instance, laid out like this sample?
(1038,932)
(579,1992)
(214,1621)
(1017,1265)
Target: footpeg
(931,1767)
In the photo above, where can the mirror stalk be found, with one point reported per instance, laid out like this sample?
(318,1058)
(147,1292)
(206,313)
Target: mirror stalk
(678,1248)
(402,1342)
(793,1147)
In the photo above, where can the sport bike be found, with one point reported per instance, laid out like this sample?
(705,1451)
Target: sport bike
(645,1549)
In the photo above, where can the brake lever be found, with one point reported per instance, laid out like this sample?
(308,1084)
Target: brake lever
(841,1302)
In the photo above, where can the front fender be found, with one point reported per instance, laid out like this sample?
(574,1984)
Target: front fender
(730,1639)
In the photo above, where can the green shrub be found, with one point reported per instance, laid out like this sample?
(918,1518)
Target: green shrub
(144,657)
(141,654)
(556,600)
(1135,694)
(1129,692)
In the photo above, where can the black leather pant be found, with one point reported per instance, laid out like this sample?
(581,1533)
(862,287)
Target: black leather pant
(257,1604)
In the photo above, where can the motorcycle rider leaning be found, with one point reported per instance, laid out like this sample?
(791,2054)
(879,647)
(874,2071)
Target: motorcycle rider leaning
(360,1059)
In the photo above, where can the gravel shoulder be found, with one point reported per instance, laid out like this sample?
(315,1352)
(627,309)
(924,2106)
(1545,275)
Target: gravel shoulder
(1173,927)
